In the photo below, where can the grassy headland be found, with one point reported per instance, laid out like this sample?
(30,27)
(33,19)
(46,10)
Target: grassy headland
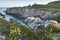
(50,6)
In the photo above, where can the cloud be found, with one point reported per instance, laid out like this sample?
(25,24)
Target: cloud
(15,3)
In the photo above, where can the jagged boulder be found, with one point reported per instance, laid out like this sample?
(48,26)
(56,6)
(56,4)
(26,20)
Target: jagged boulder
(33,22)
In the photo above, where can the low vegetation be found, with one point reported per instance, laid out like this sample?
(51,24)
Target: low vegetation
(14,31)
(11,30)
(50,6)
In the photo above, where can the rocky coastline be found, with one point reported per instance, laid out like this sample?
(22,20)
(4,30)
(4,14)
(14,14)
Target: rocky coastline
(21,12)
(47,16)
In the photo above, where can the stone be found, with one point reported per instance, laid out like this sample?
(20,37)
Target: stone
(34,22)
(24,12)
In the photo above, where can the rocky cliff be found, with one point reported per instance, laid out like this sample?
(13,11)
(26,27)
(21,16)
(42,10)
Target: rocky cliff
(24,12)
(33,23)
(2,15)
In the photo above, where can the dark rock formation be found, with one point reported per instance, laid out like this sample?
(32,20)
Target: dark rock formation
(33,23)
(24,12)
(2,15)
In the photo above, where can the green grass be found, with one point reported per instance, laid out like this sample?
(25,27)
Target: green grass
(5,27)
(41,33)
(53,6)
(50,9)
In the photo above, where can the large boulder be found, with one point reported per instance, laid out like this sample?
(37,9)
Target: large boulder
(55,24)
(49,22)
(33,22)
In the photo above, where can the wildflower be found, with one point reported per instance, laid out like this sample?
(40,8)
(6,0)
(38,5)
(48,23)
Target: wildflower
(15,30)
(18,30)
(11,32)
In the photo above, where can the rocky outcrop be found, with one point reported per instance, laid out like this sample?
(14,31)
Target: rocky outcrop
(23,12)
(2,37)
(2,15)
(33,23)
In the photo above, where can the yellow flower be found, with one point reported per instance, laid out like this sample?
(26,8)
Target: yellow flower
(18,30)
(18,33)
(11,32)
(15,30)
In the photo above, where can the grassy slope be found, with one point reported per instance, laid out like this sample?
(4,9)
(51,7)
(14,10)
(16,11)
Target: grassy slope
(50,6)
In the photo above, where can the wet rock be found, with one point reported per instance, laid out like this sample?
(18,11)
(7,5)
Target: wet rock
(2,15)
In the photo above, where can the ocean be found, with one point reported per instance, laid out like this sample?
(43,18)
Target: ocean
(8,17)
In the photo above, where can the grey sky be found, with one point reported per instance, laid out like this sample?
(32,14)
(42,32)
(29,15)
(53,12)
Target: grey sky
(15,3)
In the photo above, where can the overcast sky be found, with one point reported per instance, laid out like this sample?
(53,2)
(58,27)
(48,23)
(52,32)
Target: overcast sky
(15,3)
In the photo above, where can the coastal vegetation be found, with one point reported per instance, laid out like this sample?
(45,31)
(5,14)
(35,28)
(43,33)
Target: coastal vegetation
(53,6)
(12,30)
